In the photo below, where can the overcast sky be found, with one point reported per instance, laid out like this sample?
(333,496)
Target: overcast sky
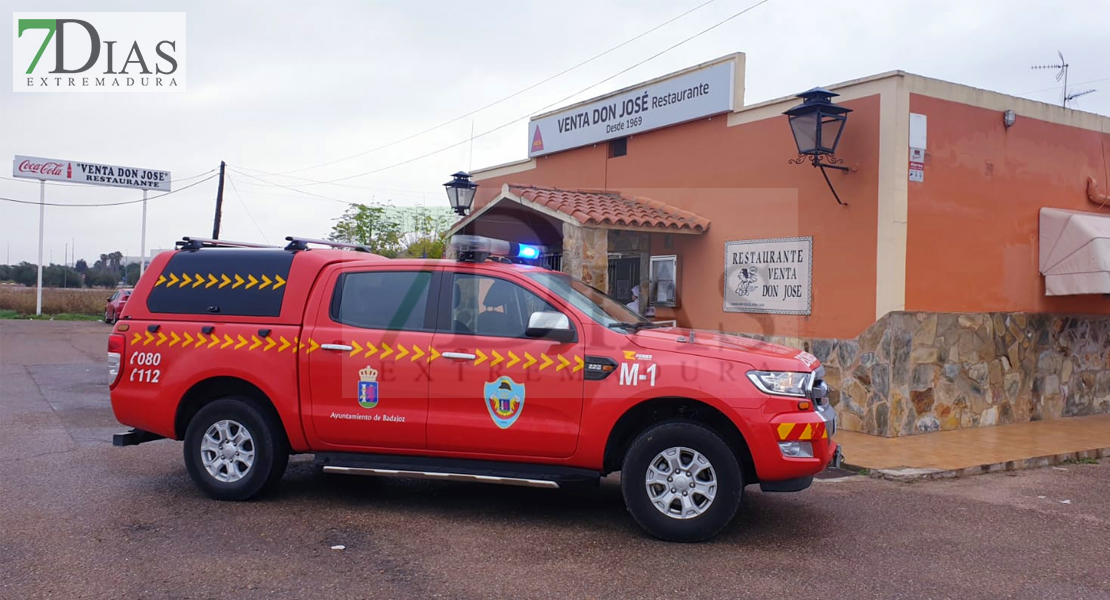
(279,86)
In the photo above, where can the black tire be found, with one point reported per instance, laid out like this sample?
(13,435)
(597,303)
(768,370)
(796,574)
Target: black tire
(107,319)
(684,434)
(271,452)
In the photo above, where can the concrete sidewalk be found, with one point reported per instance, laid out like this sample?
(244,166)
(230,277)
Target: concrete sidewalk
(972,451)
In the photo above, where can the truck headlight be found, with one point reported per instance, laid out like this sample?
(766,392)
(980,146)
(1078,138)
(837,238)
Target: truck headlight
(780,383)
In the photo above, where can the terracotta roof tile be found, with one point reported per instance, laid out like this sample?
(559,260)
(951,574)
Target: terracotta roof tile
(607,208)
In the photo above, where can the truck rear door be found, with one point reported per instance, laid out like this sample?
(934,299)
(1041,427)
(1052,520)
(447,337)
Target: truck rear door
(368,383)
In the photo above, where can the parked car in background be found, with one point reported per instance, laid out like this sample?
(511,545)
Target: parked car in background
(114,307)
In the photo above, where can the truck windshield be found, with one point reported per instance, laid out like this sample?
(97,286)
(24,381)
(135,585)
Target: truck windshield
(591,301)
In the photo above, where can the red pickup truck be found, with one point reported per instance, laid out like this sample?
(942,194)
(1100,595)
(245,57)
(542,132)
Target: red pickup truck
(474,369)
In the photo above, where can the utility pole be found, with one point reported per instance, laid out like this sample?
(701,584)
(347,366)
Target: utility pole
(142,242)
(219,203)
(42,215)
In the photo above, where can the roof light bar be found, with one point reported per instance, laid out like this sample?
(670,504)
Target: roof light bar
(477,248)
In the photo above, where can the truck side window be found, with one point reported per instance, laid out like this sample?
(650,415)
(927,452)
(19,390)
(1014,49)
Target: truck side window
(394,300)
(490,306)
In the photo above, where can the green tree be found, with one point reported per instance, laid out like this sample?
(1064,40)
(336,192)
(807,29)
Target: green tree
(59,276)
(132,276)
(101,278)
(81,266)
(371,226)
(24,273)
(427,232)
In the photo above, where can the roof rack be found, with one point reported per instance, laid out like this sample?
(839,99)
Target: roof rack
(299,243)
(196,243)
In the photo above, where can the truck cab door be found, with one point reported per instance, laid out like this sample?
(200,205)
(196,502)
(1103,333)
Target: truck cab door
(494,390)
(368,381)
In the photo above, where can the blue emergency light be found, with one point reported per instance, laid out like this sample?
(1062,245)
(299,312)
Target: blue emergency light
(477,248)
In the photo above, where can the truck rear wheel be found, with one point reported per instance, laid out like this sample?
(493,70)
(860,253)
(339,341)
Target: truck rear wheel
(233,450)
(681,482)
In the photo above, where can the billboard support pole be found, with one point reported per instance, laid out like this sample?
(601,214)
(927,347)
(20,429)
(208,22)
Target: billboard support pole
(142,242)
(42,214)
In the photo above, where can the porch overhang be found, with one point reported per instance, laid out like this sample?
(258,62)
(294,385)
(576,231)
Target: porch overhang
(594,209)
(1074,252)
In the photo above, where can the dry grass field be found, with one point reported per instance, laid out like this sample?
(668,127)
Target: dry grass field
(54,300)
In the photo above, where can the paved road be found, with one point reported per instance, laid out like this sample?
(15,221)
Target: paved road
(81,519)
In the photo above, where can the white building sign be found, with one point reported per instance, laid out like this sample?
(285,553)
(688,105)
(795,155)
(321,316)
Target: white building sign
(769,276)
(690,96)
(52,169)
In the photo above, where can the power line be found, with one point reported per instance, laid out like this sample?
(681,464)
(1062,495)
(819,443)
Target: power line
(346,185)
(496,102)
(1056,87)
(557,102)
(247,210)
(107,203)
(292,189)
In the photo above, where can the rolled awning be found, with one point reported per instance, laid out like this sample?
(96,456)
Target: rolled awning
(1075,252)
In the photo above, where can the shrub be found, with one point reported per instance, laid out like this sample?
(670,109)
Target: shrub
(54,300)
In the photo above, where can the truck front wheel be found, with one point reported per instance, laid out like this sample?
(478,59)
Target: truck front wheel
(681,482)
(233,450)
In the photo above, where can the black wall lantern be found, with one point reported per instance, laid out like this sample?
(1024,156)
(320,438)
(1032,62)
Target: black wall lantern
(460,192)
(817,124)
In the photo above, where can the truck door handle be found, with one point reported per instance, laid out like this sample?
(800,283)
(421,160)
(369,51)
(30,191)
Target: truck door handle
(342,347)
(459,355)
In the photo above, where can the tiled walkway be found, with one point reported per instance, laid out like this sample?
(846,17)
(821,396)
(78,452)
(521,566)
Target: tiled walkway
(976,448)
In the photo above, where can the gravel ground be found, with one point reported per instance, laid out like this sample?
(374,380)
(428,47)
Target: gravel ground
(82,519)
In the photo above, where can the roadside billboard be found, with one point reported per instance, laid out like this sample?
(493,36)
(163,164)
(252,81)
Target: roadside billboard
(53,169)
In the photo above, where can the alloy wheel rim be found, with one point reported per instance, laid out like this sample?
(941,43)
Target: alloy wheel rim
(681,482)
(227,451)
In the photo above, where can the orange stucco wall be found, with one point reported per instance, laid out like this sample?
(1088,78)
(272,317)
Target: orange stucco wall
(739,178)
(972,239)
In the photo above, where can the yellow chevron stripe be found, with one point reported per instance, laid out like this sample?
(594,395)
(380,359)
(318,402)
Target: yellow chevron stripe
(563,362)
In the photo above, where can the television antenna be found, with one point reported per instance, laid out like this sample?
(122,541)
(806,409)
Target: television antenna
(1071,97)
(1062,74)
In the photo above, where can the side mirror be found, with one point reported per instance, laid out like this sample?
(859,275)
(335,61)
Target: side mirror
(550,326)
(110,298)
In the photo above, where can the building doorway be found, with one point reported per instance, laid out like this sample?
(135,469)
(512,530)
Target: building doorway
(624,274)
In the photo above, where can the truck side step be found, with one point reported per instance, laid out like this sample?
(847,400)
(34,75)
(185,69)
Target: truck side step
(450,469)
(134,437)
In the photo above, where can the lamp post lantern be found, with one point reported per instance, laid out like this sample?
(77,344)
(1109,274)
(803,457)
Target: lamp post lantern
(817,125)
(460,192)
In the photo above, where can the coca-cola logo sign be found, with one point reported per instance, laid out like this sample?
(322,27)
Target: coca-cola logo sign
(98,52)
(56,169)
